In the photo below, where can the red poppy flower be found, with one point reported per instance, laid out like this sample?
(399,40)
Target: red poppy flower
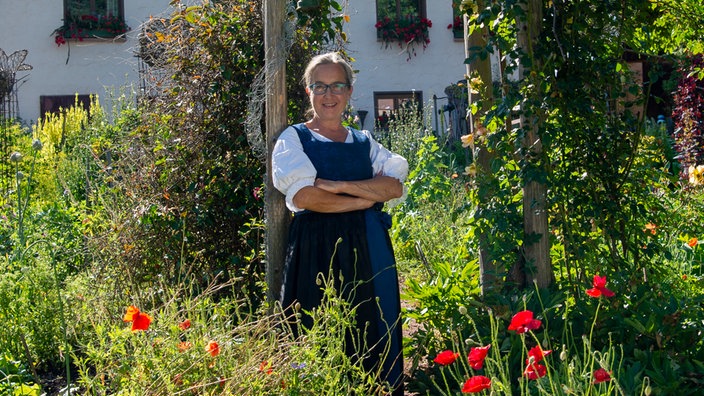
(476,384)
(601,375)
(213,348)
(185,324)
(535,371)
(693,242)
(446,357)
(523,321)
(537,354)
(477,355)
(140,321)
(599,288)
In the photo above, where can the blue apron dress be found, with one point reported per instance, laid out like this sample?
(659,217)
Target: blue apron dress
(364,256)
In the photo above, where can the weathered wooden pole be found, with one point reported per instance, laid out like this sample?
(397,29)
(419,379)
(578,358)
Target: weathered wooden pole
(277,216)
(536,248)
(489,279)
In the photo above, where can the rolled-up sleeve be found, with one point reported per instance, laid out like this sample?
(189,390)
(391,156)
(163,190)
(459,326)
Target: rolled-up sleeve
(386,162)
(291,168)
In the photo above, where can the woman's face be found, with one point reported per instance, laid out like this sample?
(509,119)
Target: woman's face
(329,106)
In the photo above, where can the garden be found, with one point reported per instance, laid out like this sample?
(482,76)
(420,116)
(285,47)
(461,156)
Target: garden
(133,238)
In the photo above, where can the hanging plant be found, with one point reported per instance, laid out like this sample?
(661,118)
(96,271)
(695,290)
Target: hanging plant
(406,32)
(84,26)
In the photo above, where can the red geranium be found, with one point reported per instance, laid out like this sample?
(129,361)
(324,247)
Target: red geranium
(476,384)
(599,288)
(601,375)
(477,355)
(446,357)
(523,321)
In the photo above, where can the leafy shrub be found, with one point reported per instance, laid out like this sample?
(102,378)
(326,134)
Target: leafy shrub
(687,113)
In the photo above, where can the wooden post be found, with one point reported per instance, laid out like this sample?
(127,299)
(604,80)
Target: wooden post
(535,211)
(277,216)
(490,280)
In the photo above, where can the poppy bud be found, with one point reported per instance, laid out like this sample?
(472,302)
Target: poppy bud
(463,310)
(20,175)
(15,157)
(37,144)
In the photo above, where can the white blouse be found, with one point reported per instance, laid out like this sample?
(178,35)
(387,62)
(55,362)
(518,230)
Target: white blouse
(292,170)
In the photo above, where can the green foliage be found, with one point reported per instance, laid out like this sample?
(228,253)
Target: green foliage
(15,379)
(257,352)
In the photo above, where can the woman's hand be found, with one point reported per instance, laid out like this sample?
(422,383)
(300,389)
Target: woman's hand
(378,189)
(330,186)
(318,200)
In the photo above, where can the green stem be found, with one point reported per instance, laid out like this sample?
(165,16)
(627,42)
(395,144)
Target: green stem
(596,314)
(62,317)
(20,212)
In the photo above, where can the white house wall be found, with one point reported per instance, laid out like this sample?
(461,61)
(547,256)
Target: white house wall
(94,67)
(102,68)
(389,69)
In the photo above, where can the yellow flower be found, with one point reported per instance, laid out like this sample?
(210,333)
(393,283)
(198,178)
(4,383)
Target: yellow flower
(471,170)
(346,18)
(475,85)
(467,140)
(696,175)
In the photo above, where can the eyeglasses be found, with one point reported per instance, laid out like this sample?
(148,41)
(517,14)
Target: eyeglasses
(335,88)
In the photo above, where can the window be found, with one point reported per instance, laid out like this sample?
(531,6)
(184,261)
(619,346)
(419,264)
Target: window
(55,103)
(94,18)
(397,9)
(388,105)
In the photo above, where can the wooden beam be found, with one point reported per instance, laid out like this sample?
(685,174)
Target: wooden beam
(277,216)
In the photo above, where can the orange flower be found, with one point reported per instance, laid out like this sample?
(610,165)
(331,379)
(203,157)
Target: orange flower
(265,367)
(183,346)
(693,242)
(185,324)
(140,321)
(213,348)
(650,227)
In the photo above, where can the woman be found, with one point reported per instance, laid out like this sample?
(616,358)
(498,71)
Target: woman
(336,180)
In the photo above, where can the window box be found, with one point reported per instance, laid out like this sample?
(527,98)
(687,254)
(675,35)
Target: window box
(85,19)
